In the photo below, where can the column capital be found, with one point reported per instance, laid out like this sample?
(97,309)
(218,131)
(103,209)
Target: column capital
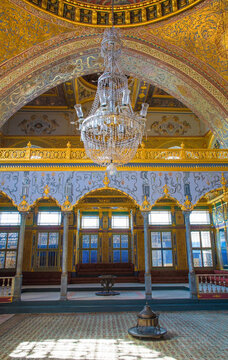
(66,213)
(187,206)
(186,213)
(67,207)
(145,214)
(146,206)
(23,207)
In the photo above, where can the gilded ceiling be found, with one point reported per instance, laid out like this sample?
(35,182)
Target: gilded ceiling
(109,2)
(40,47)
(127,13)
(82,90)
(201,30)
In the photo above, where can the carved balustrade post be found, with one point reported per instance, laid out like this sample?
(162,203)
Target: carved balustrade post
(191,274)
(64,275)
(19,276)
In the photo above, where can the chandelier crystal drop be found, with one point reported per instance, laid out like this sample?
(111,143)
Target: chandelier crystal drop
(112,131)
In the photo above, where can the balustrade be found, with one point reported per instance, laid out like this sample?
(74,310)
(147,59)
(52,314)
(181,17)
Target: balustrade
(69,154)
(212,285)
(6,287)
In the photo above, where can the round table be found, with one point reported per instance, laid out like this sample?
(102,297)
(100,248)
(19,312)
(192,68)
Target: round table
(107,282)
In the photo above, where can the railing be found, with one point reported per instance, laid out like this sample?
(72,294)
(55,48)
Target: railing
(143,155)
(6,289)
(212,286)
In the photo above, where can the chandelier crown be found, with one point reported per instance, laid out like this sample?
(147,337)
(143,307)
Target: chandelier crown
(112,132)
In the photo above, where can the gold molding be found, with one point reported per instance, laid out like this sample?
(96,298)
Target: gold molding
(95,15)
(126,168)
(69,155)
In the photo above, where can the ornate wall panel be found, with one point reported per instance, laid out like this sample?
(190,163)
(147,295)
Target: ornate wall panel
(31,185)
(21,30)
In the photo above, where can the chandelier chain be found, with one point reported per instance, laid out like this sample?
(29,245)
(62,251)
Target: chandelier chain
(112,132)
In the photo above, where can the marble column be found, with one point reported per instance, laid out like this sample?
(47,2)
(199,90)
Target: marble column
(147,250)
(64,276)
(18,276)
(213,241)
(132,237)
(191,273)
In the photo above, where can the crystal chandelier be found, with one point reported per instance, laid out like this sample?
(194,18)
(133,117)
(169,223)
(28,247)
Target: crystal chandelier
(112,132)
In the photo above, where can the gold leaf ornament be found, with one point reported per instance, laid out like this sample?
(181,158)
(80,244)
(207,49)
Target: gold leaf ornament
(23,206)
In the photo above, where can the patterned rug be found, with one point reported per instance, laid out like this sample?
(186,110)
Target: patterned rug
(103,336)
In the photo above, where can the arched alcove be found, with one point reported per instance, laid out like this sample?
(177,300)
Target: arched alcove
(72,57)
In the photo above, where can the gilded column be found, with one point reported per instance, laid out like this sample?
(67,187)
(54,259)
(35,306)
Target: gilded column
(64,276)
(19,276)
(147,251)
(191,274)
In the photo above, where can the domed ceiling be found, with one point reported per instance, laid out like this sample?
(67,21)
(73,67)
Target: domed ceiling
(126,12)
(109,2)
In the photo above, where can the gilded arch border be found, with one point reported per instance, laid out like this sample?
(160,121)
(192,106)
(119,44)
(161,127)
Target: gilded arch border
(65,57)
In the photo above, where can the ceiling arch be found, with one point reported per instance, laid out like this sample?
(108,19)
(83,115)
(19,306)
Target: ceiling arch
(68,56)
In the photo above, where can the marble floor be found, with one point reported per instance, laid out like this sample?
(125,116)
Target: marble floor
(103,336)
(81,292)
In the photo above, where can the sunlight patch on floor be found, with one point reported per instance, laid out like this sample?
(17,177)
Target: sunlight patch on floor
(86,349)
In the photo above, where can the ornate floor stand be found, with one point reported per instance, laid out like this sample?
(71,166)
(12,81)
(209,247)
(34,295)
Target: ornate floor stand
(147,325)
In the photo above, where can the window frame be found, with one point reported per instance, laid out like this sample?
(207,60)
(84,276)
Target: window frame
(120,227)
(161,248)
(90,249)
(83,227)
(201,248)
(7,250)
(47,250)
(120,248)
(151,223)
(49,224)
(198,223)
(8,223)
